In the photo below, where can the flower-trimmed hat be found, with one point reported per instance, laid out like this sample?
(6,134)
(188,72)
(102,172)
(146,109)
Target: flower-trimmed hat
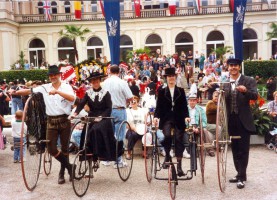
(96,73)
(53,69)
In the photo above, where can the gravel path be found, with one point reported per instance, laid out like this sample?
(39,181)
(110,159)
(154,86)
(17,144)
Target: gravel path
(261,182)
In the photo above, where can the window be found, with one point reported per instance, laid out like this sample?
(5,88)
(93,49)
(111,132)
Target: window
(183,42)
(66,50)
(204,3)
(67,7)
(190,3)
(54,7)
(40,8)
(36,52)
(94,48)
(218,2)
(154,42)
(126,45)
(215,39)
(250,44)
(93,6)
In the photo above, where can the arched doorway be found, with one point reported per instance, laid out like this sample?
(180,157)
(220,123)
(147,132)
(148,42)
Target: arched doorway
(66,50)
(215,39)
(94,48)
(154,42)
(67,7)
(126,44)
(36,52)
(54,7)
(250,44)
(183,42)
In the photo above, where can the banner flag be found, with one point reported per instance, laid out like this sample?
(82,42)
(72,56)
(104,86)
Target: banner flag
(78,10)
(47,8)
(172,7)
(137,8)
(102,8)
(112,12)
(238,19)
(231,5)
(197,6)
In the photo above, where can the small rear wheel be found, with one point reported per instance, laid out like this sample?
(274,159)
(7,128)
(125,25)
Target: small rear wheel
(82,173)
(47,162)
(124,161)
(148,147)
(172,181)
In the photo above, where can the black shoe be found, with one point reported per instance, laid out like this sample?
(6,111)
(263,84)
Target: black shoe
(71,171)
(240,184)
(180,172)
(61,179)
(233,180)
(165,164)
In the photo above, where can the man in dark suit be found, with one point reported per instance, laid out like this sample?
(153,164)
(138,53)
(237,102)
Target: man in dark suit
(240,120)
(172,111)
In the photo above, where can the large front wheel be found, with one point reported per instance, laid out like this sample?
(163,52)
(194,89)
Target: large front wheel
(221,142)
(124,163)
(148,149)
(30,148)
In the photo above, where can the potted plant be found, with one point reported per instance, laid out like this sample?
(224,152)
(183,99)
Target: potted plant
(262,120)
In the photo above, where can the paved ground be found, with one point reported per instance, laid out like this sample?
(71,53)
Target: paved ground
(261,182)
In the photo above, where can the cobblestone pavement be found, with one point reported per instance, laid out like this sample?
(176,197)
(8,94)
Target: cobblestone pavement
(106,185)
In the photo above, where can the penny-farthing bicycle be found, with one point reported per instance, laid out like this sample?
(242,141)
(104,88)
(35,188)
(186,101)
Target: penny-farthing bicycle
(222,138)
(85,163)
(32,148)
(152,159)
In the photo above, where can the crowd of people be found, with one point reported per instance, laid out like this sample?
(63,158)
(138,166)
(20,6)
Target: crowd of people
(160,78)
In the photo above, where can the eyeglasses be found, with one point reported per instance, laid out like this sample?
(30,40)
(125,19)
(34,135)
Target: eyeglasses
(133,102)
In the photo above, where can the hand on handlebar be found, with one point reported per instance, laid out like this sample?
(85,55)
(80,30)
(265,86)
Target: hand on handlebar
(156,121)
(187,119)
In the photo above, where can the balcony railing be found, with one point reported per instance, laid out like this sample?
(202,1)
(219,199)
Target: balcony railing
(153,13)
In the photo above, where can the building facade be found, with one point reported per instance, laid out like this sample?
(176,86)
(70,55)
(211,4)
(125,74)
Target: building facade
(25,27)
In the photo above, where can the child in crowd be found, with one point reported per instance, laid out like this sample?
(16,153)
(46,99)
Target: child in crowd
(16,134)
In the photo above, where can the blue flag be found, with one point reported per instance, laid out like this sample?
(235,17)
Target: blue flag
(238,19)
(112,17)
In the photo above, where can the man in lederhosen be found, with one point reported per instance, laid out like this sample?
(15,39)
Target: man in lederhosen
(240,119)
(58,98)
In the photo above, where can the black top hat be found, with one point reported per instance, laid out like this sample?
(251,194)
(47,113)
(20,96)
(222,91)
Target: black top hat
(169,71)
(233,61)
(53,69)
(95,75)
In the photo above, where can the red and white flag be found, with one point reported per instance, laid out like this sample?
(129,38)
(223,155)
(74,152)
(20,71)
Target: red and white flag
(47,9)
(102,7)
(197,6)
(137,7)
(68,74)
(172,7)
(231,5)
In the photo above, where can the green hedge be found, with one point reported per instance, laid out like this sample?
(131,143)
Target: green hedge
(264,69)
(32,75)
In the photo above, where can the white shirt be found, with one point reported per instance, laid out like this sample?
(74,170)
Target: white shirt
(172,61)
(119,91)
(137,117)
(16,128)
(192,112)
(233,86)
(193,89)
(56,104)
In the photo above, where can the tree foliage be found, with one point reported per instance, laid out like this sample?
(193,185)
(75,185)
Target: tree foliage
(273,33)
